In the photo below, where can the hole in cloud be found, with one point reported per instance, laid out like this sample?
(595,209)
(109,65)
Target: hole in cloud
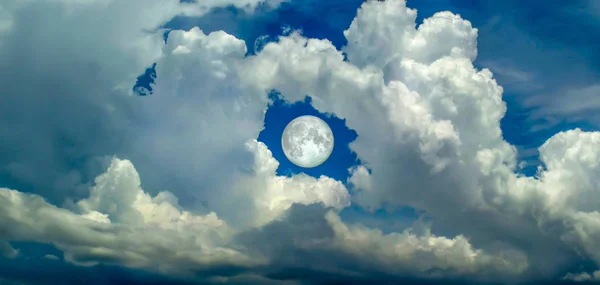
(144,82)
(166,35)
(281,112)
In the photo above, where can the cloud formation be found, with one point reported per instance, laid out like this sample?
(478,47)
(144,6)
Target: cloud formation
(429,137)
(121,224)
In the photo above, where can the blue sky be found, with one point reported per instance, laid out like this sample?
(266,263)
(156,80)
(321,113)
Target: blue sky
(544,54)
(280,113)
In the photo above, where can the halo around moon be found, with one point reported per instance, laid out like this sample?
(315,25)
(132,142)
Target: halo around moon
(307,141)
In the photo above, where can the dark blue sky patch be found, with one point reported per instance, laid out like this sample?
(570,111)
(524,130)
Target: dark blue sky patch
(280,113)
(47,271)
(317,19)
(29,250)
(144,82)
(166,35)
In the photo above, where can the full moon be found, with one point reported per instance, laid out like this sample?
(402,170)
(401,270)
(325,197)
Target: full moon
(307,141)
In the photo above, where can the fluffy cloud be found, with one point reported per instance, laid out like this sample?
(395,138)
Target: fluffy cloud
(429,136)
(236,172)
(439,119)
(273,194)
(407,252)
(121,224)
(322,245)
(59,47)
(385,32)
(437,116)
(569,187)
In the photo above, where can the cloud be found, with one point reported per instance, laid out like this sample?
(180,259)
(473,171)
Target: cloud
(569,188)
(51,257)
(7,250)
(437,116)
(429,137)
(376,38)
(421,116)
(122,225)
(101,70)
(273,194)
(584,276)
(318,243)
(422,256)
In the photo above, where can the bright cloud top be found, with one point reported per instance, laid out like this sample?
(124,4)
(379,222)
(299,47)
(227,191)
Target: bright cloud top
(429,136)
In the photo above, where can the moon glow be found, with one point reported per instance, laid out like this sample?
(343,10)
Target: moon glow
(307,141)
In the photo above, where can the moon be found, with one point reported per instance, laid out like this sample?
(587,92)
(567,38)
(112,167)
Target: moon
(307,141)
